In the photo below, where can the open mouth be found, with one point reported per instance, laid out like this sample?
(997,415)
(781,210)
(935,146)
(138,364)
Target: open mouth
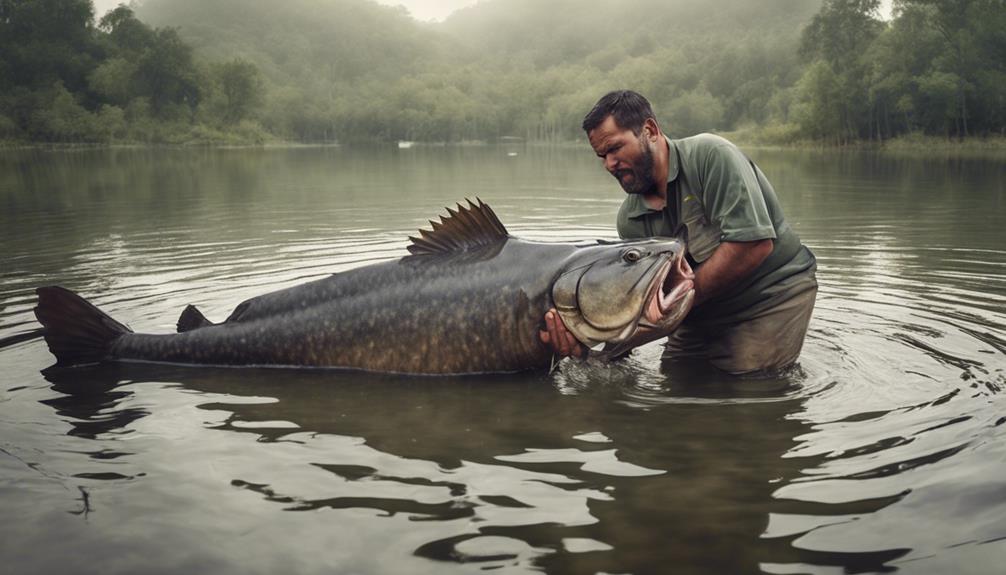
(668,300)
(673,283)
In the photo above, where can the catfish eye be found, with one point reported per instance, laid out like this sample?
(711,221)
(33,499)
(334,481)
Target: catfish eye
(632,255)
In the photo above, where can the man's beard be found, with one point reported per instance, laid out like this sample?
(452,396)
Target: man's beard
(641,181)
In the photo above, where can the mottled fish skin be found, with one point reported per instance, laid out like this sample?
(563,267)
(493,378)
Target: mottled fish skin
(469,299)
(473,312)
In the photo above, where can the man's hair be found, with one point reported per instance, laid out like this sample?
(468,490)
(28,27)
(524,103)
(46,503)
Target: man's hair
(630,110)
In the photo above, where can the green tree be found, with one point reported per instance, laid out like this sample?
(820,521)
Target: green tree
(110,123)
(939,93)
(693,112)
(974,46)
(166,75)
(953,20)
(125,30)
(819,96)
(43,41)
(62,119)
(8,128)
(901,55)
(113,81)
(240,86)
(840,31)
(839,36)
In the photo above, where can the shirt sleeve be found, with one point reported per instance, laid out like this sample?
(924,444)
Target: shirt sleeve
(732,197)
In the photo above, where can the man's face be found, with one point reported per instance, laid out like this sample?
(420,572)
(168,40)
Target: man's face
(626,156)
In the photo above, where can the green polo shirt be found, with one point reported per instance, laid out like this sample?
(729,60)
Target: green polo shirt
(716,194)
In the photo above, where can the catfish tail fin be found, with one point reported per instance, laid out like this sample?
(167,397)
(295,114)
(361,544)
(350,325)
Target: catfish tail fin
(77,332)
(191,319)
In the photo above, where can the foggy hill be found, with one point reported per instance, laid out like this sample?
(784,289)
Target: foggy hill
(344,39)
(499,67)
(551,32)
(350,70)
(296,40)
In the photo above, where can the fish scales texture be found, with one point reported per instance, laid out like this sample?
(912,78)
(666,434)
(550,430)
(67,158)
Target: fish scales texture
(421,314)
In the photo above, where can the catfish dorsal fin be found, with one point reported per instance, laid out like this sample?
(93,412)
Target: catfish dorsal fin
(471,226)
(191,319)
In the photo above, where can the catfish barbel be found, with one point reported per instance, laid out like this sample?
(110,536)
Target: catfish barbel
(469,298)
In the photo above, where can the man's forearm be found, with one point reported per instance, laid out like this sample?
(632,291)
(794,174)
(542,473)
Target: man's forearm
(729,264)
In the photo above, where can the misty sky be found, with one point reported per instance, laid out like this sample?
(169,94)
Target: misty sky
(420,9)
(430,9)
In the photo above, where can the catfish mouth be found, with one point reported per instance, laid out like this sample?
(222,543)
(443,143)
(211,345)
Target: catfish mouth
(618,309)
(669,298)
(673,283)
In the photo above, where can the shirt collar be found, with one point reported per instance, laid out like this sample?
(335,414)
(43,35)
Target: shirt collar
(673,166)
(637,208)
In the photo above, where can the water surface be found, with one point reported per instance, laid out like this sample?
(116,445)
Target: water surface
(882,451)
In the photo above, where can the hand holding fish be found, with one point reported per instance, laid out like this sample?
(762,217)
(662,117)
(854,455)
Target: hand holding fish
(565,343)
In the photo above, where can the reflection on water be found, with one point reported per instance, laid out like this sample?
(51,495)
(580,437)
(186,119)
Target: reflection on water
(882,451)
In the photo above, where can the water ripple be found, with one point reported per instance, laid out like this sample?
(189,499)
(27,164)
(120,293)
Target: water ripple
(894,416)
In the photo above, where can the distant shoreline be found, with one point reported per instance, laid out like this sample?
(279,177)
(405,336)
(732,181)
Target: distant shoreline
(14,145)
(756,138)
(746,139)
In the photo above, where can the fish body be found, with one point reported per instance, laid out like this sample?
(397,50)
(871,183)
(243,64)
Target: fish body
(469,299)
(419,314)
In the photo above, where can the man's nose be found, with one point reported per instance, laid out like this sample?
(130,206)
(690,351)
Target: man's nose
(610,162)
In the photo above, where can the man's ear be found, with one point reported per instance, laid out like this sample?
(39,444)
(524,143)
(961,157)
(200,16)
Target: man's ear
(651,129)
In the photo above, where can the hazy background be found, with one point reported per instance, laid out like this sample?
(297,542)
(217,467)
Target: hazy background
(254,71)
(419,9)
(435,10)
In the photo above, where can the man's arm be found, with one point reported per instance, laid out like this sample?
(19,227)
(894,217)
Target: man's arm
(730,263)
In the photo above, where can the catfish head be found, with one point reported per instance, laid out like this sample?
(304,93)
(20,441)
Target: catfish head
(620,295)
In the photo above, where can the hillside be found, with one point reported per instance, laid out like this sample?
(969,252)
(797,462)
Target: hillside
(334,41)
(500,67)
(553,32)
(199,71)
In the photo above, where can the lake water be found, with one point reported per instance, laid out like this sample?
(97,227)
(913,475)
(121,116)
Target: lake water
(884,451)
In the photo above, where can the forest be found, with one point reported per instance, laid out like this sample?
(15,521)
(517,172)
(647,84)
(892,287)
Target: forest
(324,71)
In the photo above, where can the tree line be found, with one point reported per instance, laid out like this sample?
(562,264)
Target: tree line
(348,70)
(66,78)
(939,68)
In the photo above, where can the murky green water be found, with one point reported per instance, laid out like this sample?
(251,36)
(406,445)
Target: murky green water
(884,451)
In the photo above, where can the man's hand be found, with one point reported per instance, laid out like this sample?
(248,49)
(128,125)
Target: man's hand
(559,338)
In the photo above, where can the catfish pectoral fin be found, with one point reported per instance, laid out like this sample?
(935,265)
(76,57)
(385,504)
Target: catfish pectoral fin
(191,319)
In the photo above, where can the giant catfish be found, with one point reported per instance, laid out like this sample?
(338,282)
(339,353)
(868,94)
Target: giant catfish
(469,298)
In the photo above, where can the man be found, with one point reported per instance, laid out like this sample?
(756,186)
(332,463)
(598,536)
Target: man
(754,281)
